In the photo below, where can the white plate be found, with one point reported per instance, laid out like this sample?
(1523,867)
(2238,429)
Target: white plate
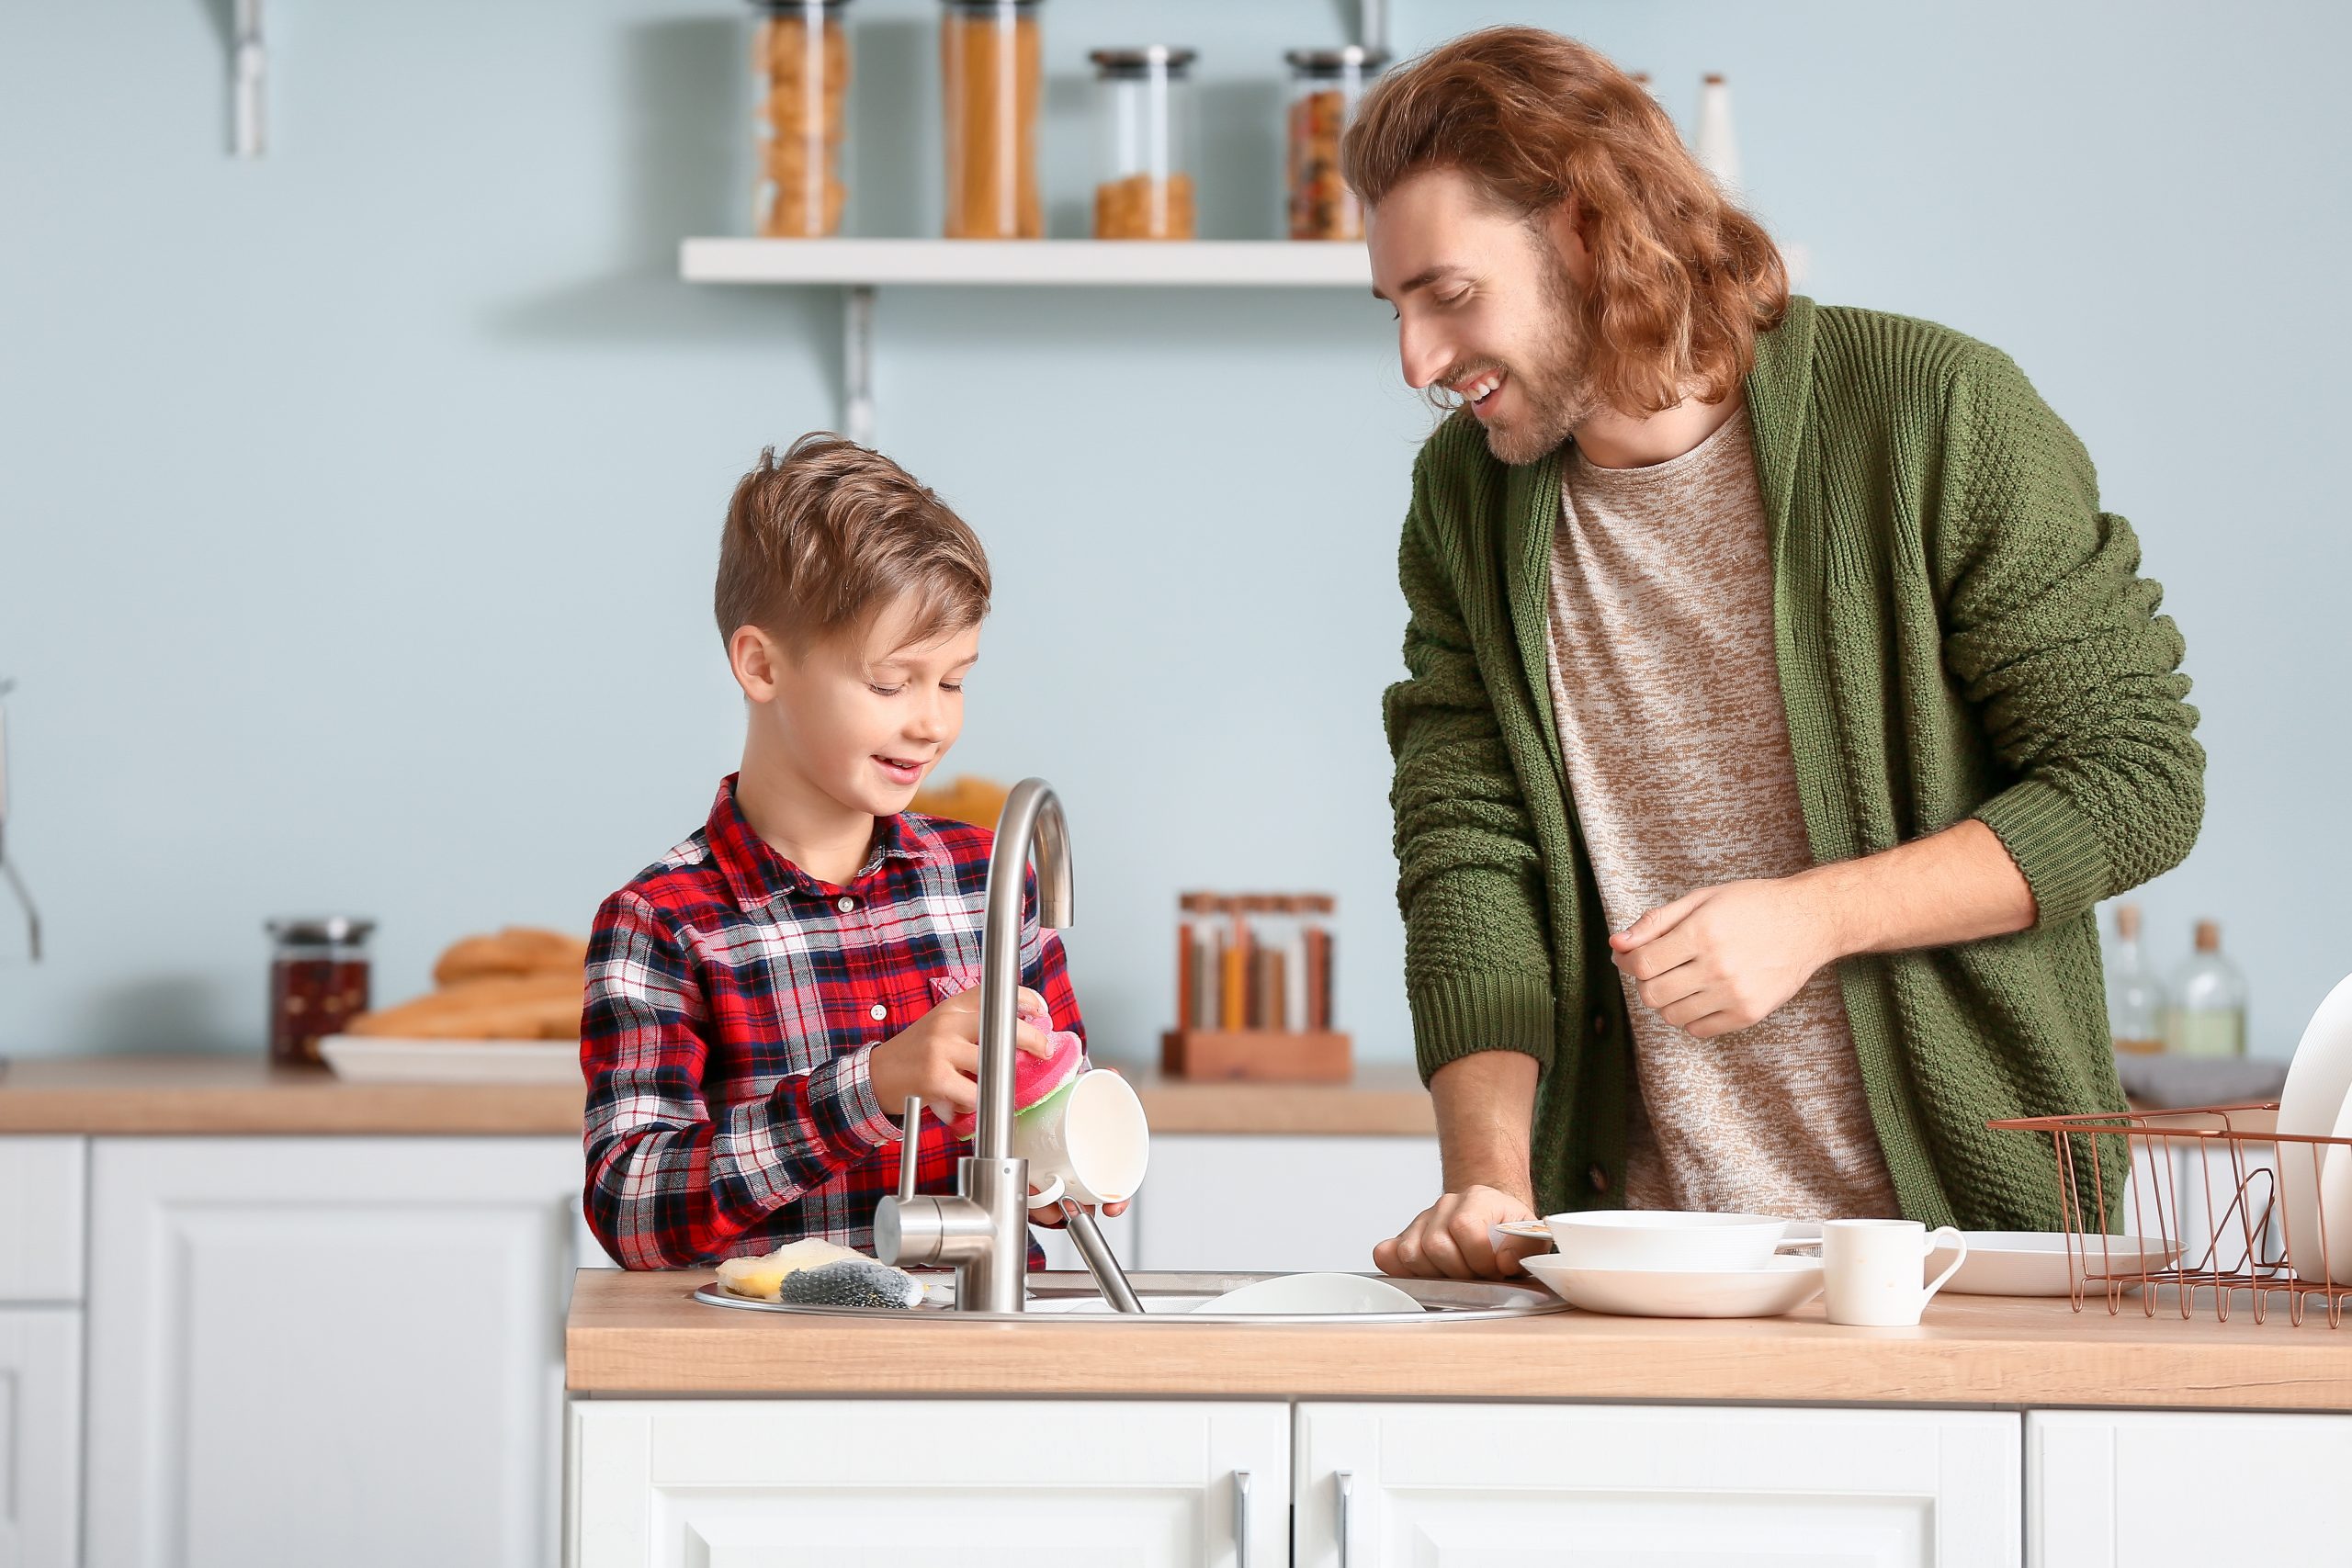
(1783,1285)
(2318,1081)
(2034,1263)
(371,1058)
(1313,1294)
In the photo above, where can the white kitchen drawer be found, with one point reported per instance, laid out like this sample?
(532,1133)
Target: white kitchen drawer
(2104,1489)
(40,1435)
(43,1210)
(981,1484)
(1595,1486)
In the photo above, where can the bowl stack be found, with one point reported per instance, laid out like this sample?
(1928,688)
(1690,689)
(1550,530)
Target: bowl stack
(1673,1263)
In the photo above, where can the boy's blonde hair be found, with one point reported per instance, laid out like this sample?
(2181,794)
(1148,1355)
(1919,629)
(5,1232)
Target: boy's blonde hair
(820,540)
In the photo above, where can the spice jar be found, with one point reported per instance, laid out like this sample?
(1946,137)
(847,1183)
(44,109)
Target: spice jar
(1145,98)
(1324,86)
(318,982)
(800,65)
(993,84)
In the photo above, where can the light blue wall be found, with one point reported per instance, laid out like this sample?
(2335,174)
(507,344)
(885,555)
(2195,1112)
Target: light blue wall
(358,507)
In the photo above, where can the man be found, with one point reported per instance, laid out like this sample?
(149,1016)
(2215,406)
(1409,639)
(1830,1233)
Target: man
(1780,701)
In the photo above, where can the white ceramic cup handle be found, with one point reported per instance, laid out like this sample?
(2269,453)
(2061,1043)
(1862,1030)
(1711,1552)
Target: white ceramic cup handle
(1958,1241)
(1053,1195)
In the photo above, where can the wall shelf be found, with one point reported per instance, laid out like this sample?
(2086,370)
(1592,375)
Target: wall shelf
(1243,264)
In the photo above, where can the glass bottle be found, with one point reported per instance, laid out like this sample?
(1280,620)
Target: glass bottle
(1316,950)
(801,70)
(2135,998)
(1324,86)
(318,982)
(1717,146)
(2207,1015)
(1145,98)
(993,84)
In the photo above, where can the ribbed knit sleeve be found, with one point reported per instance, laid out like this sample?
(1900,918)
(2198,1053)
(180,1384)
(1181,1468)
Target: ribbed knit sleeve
(2056,638)
(1470,881)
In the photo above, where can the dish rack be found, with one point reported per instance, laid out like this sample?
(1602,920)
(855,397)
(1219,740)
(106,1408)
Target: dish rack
(2249,1182)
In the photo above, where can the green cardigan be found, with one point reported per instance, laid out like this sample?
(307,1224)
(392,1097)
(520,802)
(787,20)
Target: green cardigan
(1961,632)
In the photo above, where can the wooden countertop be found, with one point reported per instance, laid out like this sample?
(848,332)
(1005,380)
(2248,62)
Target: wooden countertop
(199,1094)
(642,1335)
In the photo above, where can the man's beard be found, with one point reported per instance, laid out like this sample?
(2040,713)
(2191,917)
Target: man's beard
(1558,392)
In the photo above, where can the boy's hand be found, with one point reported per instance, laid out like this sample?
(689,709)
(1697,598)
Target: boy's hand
(938,1056)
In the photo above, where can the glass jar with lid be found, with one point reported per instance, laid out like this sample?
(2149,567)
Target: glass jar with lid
(1324,86)
(800,65)
(1145,98)
(317,982)
(992,86)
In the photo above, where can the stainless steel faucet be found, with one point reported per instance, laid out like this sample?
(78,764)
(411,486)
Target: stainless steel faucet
(983,1231)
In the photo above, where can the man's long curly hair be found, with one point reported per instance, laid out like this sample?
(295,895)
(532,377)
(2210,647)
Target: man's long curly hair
(1683,281)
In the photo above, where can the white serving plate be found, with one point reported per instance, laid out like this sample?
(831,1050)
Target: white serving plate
(2319,1084)
(2034,1263)
(371,1058)
(1782,1285)
(1313,1294)
(1664,1239)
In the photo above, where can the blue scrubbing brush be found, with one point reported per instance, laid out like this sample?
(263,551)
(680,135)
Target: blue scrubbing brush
(852,1282)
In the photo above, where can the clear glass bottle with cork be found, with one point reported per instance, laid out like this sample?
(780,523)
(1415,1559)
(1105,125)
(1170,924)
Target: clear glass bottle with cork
(2206,1015)
(2135,998)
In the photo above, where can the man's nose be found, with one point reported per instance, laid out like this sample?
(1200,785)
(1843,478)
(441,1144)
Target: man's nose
(1425,354)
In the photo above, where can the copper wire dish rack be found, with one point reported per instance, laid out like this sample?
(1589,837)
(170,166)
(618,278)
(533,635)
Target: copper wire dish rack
(2251,1180)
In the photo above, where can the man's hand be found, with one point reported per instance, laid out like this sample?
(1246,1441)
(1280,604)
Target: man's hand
(1448,1241)
(1722,958)
(938,1056)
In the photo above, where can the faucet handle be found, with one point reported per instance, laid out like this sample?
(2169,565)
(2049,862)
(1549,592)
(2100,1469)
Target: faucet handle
(910,1145)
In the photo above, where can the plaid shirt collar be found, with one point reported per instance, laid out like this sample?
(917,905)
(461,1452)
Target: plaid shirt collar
(757,875)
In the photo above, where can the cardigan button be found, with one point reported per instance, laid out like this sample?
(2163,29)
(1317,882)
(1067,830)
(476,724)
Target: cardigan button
(1600,1026)
(1596,1178)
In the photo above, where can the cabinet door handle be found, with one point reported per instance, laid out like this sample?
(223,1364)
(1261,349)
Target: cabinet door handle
(1347,1479)
(1240,1519)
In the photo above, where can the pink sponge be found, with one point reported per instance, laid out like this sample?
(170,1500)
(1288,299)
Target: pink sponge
(1033,1077)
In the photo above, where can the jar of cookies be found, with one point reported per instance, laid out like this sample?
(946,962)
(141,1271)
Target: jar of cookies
(318,982)
(992,86)
(801,66)
(1145,98)
(1324,86)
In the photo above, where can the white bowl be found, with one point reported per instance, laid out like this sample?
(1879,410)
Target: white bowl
(1312,1295)
(1781,1285)
(2319,1083)
(1664,1239)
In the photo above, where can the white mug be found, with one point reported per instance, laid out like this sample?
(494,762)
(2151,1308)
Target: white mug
(1872,1270)
(1088,1140)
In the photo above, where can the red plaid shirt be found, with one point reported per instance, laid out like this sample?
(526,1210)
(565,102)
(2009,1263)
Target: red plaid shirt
(732,1002)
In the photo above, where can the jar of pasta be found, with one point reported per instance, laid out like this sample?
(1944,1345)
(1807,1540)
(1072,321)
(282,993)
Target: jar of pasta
(992,86)
(1145,191)
(1324,86)
(800,65)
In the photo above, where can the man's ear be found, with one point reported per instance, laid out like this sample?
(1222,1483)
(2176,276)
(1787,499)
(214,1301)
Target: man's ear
(1569,229)
(756,660)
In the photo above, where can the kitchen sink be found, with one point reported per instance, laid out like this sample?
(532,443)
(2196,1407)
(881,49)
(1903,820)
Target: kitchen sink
(1073,1297)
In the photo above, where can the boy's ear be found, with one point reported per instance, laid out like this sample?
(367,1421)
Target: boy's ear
(756,660)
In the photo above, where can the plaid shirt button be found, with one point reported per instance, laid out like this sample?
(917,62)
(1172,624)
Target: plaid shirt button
(845,905)
(880,1012)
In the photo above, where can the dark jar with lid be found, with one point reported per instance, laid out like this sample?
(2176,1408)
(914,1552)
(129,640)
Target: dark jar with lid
(317,982)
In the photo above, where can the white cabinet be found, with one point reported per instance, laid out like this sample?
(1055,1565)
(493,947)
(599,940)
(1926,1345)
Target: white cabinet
(41,1218)
(999,1483)
(1280,1203)
(1584,1486)
(41,1437)
(2165,1486)
(342,1350)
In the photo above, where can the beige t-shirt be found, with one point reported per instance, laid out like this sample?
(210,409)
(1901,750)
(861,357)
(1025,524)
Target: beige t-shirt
(1666,691)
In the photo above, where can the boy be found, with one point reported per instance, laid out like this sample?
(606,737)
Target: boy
(762,1000)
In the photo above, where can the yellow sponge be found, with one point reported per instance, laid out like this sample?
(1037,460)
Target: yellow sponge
(761,1278)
